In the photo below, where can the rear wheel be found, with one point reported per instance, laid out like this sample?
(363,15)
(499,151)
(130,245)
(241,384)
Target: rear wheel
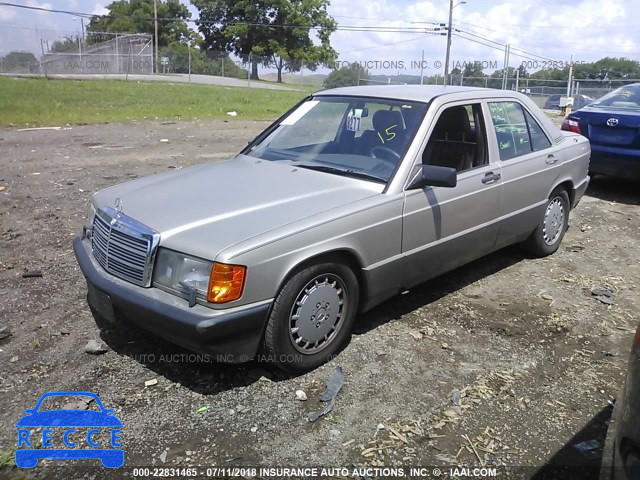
(312,316)
(547,237)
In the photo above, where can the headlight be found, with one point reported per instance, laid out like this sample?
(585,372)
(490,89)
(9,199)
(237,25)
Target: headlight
(212,282)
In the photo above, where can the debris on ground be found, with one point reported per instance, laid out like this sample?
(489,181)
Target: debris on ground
(5,333)
(602,291)
(232,113)
(415,334)
(93,347)
(333,387)
(32,274)
(151,383)
(300,395)
(589,448)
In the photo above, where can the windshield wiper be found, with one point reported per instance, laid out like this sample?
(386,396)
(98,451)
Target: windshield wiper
(344,172)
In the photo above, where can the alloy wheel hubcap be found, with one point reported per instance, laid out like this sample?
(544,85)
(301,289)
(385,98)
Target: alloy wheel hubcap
(553,221)
(317,314)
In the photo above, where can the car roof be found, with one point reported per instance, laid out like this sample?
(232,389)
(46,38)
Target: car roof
(417,93)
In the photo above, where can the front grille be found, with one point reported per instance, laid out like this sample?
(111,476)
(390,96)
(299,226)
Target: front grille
(123,246)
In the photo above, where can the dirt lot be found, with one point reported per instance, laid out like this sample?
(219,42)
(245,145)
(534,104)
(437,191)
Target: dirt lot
(507,361)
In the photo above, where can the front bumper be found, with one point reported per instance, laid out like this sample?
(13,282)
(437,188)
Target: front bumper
(232,335)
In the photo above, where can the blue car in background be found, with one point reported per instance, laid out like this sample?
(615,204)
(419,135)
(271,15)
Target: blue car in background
(69,419)
(612,125)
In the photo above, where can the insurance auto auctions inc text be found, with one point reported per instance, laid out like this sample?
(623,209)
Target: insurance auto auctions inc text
(355,472)
(414,64)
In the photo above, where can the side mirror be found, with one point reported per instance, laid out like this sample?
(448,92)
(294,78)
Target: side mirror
(434,176)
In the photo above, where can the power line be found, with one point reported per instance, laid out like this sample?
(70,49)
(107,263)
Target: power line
(43,9)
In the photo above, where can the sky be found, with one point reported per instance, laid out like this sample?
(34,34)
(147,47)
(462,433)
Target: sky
(539,32)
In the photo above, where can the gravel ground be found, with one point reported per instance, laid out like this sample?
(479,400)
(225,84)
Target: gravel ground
(507,361)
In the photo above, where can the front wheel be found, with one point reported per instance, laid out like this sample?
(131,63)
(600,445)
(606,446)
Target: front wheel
(547,237)
(312,317)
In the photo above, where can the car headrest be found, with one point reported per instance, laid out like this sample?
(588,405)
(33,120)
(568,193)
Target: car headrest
(384,119)
(453,120)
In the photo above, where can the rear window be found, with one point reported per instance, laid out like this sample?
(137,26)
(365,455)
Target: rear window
(623,97)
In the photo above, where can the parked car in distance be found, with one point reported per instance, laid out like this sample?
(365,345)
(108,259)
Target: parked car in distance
(612,125)
(349,198)
(579,101)
(621,456)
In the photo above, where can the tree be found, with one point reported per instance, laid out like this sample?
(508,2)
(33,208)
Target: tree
(19,62)
(346,76)
(608,68)
(68,45)
(204,63)
(473,74)
(137,16)
(274,32)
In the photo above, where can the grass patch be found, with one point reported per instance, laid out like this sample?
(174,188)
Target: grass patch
(43,102)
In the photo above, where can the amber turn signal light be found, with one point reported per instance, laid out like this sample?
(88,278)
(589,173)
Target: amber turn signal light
(226,282)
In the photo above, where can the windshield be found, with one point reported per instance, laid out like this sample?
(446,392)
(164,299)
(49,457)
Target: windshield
(623,97)
(352,136)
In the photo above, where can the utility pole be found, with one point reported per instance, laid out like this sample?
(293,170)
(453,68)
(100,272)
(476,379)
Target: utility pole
(446,58)
(155,16)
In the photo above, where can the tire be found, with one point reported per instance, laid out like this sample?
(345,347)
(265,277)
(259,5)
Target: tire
(311,317)
(550,231)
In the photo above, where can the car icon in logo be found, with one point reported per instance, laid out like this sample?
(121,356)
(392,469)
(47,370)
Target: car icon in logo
(65,427)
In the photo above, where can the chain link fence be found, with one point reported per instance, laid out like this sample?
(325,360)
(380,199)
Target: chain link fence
(39,51)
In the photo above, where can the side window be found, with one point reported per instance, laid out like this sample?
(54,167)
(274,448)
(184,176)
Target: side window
(539,140)
(458,139)
(517,131)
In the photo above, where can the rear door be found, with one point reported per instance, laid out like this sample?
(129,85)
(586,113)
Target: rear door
(529,163)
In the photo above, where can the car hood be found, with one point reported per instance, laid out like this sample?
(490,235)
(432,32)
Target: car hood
(204,209)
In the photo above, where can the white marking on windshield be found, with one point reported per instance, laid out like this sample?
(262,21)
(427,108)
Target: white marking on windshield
(300,112)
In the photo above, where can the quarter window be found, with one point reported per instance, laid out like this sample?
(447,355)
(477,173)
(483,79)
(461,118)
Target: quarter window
(517,132)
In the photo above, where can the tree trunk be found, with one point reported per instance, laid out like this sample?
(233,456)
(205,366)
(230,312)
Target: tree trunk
(254,70)
(279,64)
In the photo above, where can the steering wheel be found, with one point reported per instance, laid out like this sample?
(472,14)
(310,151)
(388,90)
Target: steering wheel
(387,152)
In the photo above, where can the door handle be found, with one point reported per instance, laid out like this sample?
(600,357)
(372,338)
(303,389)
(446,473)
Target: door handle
(551,159)
(490,178)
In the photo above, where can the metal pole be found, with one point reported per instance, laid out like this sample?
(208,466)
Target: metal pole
(155,16)
(422,69)
(517,78)
(44,60)
(570,75)
(117,55)
(446,59)
(249,72)
(80,51)
(189,62)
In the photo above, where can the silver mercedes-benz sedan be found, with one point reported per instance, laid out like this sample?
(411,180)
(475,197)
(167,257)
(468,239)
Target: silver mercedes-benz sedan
(349,198)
